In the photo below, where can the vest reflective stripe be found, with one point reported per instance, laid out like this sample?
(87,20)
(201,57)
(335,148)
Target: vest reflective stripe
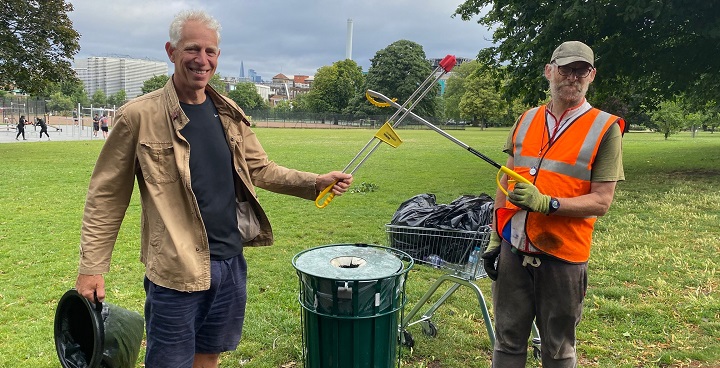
(524,125)
(560,173)
(581,167)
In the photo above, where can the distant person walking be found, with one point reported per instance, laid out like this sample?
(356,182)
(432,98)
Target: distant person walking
(21,128)
(43,128)
(104,125)
(96,125)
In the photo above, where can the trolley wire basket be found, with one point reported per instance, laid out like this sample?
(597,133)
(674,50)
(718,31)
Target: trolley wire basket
(447,249)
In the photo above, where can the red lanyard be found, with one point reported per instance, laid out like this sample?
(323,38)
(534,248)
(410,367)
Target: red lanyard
(551,137)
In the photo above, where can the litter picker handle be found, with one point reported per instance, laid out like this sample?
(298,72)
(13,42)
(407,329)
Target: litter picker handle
(511,174)
(326,196)
(445,66)
(502,169)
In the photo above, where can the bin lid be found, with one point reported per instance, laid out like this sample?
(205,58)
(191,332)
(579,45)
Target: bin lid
(348,262)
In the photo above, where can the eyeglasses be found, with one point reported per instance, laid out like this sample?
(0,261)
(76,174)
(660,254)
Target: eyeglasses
(566,71)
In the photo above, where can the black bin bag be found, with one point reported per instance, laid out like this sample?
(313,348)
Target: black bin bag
(468,213)
(99,335)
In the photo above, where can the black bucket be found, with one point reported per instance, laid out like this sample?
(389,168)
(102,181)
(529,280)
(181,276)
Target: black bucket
(98,335)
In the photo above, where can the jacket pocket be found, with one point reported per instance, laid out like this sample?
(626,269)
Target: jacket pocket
(248,223)
(157,162)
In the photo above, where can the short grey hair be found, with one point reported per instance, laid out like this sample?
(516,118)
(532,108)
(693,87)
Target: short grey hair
(192,15)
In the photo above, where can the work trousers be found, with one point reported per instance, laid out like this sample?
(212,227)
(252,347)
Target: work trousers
(546,290)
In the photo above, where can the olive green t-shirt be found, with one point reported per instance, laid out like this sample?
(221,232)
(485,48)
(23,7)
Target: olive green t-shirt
(608,165)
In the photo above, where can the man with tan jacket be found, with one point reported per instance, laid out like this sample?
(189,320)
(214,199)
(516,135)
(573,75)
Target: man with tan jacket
(197,163)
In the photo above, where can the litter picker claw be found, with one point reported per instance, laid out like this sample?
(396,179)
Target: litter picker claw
(386,133)
(501,168)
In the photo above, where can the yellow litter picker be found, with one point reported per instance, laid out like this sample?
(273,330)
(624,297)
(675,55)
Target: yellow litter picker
(501,168)
(386,133)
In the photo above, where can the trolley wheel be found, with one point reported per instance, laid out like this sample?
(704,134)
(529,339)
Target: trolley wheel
(429,329)
(406,339)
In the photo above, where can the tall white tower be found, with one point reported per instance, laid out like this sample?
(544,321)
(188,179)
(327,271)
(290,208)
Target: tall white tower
(348,44)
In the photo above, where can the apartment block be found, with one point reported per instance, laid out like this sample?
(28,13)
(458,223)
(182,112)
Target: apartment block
(112,74)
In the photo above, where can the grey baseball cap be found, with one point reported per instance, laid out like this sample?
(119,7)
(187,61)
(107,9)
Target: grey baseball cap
(572,51)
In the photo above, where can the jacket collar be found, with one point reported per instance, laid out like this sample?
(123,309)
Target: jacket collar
(221,104)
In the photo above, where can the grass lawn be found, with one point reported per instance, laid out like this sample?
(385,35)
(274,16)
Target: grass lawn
(654,289)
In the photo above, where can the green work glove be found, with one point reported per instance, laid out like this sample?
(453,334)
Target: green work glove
(529,198)
(491,254)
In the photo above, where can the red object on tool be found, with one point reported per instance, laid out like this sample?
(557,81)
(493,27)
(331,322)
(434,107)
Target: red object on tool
(447,63)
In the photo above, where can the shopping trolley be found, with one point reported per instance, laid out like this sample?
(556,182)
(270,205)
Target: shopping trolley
(447,249)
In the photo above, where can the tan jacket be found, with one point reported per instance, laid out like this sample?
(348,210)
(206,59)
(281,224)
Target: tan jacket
(146,143)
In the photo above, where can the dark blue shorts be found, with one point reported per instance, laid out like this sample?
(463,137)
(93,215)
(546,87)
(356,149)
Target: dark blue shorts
(180,324)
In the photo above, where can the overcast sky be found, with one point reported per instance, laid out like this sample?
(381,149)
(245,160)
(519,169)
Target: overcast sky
(280,36)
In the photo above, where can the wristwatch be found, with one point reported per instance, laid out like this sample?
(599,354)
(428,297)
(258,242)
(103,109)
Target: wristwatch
(554,205)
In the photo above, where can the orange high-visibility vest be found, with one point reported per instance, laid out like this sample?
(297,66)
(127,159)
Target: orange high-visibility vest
(562,169)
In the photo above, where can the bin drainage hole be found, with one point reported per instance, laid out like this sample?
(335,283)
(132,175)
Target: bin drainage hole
(348,262)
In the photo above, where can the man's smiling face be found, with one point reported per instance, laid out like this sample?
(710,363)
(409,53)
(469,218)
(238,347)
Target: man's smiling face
(195,58)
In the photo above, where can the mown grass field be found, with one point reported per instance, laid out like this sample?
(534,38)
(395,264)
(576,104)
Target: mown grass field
(654,290)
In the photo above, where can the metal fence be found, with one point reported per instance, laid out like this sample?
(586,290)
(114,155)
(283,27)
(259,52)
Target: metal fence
(13,107)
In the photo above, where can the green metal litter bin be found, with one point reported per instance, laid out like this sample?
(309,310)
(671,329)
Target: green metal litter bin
(351,295)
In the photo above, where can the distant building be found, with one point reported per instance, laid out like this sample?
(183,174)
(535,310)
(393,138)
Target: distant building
(262,90)
(253,76)
(458,60)
(281,78)
(287,88)
(112,74)
(301,81)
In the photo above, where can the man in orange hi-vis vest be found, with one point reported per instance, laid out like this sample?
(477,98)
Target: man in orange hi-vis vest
(538,253)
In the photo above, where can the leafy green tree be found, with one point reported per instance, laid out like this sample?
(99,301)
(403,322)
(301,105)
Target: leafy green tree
(396,71)
(694,120)
(301,103)
(60,102)
(37,43)
(246,96)
(472,94)
(712,117)
(75,89)
(154,83)
(669,118)
(98,98)
(710,110)
(217,83)
(283,106)
(481,103)
(712,123)
(455,88)
(334,86)
(117,99)
(651,46)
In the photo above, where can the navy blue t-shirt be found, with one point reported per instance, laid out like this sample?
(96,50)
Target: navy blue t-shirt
(211,175)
